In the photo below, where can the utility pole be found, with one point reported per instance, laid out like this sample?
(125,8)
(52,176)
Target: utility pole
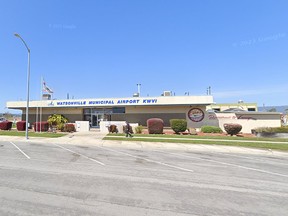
(209,90)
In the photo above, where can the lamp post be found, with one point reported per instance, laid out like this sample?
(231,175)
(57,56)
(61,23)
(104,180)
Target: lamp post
(28,81)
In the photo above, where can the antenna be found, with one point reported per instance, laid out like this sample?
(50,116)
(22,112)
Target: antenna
(138,86)
(209,90)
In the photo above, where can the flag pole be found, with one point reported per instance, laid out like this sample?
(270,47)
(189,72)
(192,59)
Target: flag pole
(36,117)
(41,93)
(38,113)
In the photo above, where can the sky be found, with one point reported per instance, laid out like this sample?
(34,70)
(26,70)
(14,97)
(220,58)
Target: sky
(104,48)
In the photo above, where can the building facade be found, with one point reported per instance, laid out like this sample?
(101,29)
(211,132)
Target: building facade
(134,109)
(197,110)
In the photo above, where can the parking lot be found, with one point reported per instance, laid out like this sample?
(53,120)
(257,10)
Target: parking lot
(137,178)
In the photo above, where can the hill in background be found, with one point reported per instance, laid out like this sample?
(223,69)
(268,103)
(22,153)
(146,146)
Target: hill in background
(282,109)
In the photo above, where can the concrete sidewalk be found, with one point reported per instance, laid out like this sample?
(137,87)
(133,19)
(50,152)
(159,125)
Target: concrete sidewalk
(89,137)
(96,138)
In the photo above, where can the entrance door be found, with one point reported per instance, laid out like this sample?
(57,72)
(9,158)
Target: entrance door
(94,122)
(96,118)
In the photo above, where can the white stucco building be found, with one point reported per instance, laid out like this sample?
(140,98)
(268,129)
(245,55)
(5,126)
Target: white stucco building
(134,109)
(139,109)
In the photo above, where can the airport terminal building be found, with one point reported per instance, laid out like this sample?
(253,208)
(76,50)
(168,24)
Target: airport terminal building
(133,109)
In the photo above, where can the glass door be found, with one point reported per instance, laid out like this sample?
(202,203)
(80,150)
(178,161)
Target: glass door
(94,122)
(96,118)
(96,115)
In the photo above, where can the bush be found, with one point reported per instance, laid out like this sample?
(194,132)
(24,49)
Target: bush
(57,120)
(69,128)
(178,125)
(113,129)
(211,129)
(232,129)
(21,125)
(5,125)
(41,126)
(155,126)
(272,130)
(139,129)
(60,126)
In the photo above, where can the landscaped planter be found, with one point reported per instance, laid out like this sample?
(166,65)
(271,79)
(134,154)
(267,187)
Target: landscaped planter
(5,125)
(21,125)
(271,135)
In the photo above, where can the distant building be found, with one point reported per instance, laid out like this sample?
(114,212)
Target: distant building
(226,106)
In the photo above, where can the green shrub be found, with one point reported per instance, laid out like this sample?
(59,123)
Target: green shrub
(60,126)
(57,120)
(139,129)
(155,126)
(272,130)
(210,129)
(232,129)
(178,125)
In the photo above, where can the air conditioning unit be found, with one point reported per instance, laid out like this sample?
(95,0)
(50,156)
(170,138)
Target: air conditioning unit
(167,93)
(46,97)
(136,95)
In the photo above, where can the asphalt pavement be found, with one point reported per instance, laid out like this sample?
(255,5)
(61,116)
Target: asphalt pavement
(81,174)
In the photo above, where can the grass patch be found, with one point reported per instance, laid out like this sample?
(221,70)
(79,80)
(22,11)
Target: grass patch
(250,142)
(31,134)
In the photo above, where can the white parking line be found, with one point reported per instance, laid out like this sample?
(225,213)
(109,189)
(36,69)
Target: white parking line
(228,164)
(20,150)
(250,158)
(81,155)
(153,161)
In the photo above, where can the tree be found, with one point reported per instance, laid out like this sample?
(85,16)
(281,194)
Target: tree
(272,110)
(57,120)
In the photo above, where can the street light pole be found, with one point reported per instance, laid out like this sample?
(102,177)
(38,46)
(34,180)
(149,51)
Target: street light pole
(28,84)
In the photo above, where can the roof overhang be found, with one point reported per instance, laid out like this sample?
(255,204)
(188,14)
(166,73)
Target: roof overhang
(114,102)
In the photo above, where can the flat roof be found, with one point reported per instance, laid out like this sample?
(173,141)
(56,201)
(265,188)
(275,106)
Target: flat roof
(116,102)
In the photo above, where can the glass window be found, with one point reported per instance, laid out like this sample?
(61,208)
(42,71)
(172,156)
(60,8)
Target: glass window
(87,111)
(251,109)
(118,109)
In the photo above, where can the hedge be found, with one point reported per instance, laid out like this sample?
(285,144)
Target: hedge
(272,130)
(232,129)
(69,127)
(41,126)
(21,125)
(5,125)
(178,125)
(155,126)
(210,129)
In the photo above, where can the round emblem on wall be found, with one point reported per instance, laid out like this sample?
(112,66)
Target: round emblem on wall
(196,115)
